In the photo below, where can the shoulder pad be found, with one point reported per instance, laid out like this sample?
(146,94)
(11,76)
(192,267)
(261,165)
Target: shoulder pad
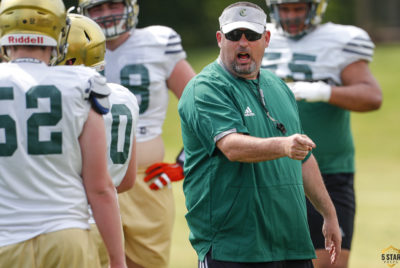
(100,104)
(99,85)
(99,94)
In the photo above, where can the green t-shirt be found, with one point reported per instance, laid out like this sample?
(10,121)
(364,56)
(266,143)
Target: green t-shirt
(245,212)
(329,127)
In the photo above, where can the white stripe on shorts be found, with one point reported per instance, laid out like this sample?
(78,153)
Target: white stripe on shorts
(203,264)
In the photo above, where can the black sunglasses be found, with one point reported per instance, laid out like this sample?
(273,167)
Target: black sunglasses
(235,35)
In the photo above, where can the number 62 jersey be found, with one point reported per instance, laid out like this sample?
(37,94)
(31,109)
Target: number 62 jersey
(42,114)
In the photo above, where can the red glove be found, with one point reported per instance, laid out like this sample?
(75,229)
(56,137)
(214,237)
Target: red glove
(163,174)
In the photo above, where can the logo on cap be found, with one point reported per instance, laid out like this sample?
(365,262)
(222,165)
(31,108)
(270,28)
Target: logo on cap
(243,12)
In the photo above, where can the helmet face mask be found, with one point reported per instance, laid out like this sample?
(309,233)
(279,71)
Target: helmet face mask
(299,26)
(87,43)
(116,24)
(62,48)
(34,23)
(294,25)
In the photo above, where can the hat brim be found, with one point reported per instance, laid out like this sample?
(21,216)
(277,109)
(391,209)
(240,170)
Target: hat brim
(258,28)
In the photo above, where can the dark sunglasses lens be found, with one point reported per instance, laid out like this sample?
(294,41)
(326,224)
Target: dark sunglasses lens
(235,35)
(252,36)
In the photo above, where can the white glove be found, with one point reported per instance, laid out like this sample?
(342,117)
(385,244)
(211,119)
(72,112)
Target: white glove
(311,91)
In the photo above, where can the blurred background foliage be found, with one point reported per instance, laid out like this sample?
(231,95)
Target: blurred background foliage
(197,21)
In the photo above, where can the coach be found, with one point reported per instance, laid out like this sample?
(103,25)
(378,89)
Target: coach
(248,165)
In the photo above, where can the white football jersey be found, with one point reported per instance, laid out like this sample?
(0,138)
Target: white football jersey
(143,64)
(321,54)
(42,113)
(120,125)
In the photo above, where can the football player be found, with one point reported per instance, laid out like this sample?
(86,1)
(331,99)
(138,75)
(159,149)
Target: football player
(148,62)
(326,67)
(87,46)
(52,151)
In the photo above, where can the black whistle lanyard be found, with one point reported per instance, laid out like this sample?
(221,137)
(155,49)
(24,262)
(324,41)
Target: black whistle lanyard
(278,125)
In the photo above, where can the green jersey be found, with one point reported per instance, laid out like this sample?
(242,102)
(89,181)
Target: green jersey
(329,127)
(245,212)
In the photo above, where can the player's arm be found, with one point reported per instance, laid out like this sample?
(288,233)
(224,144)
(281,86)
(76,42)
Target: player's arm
(316,192)
(360,91)
(130,175)
(179,77)
(99,188)
(160,175)
(245,148)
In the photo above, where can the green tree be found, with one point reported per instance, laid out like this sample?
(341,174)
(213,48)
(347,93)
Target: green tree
(197,21)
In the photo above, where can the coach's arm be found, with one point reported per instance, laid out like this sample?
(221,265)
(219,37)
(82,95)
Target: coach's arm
(316,192)
(244,148)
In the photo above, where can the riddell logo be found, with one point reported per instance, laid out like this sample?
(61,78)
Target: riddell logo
(27,40)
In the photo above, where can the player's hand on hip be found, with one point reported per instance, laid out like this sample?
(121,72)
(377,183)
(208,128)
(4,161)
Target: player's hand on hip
(160,175)
(333,238)
(311,91)
(298,146)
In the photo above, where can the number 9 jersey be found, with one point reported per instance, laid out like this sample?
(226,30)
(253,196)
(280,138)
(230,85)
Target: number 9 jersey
(143,64)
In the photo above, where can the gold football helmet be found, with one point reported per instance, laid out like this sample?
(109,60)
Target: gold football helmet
(86,43)
(121,23)
(314,16)
(34,23)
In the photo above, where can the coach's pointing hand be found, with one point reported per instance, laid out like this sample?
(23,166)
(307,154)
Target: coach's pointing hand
(298,146)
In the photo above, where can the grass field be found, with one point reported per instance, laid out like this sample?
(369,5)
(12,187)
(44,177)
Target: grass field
(377,182)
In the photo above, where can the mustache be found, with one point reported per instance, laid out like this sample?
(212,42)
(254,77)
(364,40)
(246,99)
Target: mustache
(243,50)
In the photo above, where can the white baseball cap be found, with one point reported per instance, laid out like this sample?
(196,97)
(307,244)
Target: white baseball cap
(243,17)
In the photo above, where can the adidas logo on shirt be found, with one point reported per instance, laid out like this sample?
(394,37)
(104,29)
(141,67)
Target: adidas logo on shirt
(248,112)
